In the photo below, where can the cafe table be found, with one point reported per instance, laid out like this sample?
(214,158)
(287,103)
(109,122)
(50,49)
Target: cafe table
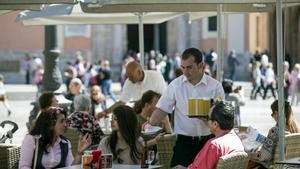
(117,166)
(292,161)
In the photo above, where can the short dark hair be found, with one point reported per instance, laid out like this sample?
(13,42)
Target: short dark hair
(45,100)
(223,113)
(146,98)
(227,85)
(193,52)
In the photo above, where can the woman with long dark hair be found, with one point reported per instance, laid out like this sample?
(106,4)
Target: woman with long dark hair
(124,142)
(45,147)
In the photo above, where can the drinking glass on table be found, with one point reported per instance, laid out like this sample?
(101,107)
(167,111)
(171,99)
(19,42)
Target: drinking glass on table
(151,156)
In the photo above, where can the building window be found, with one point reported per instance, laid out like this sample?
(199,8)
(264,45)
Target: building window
(78,31)
(212,23)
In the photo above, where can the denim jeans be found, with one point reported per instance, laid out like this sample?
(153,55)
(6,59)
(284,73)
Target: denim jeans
(106,89)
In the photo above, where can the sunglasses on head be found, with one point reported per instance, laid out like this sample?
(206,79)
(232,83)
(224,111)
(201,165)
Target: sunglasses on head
(54,111)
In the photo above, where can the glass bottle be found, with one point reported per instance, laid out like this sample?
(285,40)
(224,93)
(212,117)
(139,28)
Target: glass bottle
(144,158)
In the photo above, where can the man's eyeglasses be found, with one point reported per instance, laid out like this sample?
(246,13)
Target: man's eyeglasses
(54,111)
(210,119)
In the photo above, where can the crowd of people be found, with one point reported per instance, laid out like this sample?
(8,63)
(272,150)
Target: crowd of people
(34,71)
(264,78)
(200,142)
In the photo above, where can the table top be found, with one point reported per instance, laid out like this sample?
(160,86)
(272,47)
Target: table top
(117,166)
(292,161)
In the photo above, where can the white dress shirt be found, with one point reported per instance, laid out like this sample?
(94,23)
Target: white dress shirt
(177,95)
(153,80)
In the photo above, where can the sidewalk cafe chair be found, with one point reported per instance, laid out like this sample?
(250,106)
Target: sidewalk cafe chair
(235,160)
(165,146)
(292,150)
(9,156)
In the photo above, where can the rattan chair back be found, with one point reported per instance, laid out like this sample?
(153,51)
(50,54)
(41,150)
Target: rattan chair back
(292,148)
(9,156)
(235,160)
(73,135)
(165,149)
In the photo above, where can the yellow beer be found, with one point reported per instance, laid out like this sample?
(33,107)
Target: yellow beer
(192,107)
(87,161)
(203,107)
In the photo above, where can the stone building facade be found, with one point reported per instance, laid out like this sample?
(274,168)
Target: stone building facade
(243,32)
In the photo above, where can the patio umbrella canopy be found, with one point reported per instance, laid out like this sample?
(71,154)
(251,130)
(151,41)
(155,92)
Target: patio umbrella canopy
(126,2)
(72,14)
(104,6)
(174,7)
(31,2)
(20,7)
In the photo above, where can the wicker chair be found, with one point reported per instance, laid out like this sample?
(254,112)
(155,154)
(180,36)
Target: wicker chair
(165,150)
(292,150)
(73,135)
(9,156)
(235,160)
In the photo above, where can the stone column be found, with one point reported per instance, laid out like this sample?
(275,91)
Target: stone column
(52,76)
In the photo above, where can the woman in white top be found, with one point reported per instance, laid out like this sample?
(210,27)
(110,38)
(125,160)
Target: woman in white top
(45,147)
(124,142)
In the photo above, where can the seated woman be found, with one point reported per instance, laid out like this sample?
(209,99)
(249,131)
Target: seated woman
(45,147)
(144,109)
(124,142)
(266,152)
(82,119)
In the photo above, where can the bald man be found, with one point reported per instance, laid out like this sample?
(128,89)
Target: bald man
(138,82)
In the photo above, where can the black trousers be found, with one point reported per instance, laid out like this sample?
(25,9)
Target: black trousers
(187,148)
